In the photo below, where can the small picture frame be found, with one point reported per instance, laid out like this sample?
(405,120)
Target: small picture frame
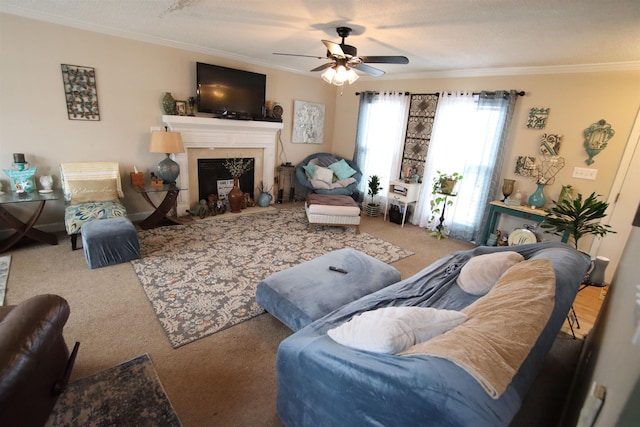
(181,108)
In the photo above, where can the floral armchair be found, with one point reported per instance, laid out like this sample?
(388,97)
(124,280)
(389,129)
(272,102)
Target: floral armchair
(326,173)
(92,191)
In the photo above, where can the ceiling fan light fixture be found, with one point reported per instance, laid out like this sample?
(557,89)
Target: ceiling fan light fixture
(329,75)
(352,76)
(338,74)
(341,75)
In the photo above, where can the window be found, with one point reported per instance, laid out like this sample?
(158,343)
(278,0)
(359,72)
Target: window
(381,125)
(468,137)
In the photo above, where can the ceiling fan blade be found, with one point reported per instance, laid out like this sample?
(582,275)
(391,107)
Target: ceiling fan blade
(385,59)
(368,69)
(304,56)
(334,48)
(323,66)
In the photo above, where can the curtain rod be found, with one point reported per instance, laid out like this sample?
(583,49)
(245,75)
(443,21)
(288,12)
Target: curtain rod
(520,93)
(378,93)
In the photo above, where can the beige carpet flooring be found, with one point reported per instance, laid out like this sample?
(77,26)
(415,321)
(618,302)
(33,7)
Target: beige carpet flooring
(226,379)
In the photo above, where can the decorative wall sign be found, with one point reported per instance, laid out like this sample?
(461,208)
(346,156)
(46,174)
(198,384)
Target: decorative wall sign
(308,123)
(550,144)
(537,118)
(596,139)
(525,165)
(80,92)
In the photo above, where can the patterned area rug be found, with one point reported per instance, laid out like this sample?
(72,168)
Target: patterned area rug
(201,278)
(129,394)
(5,263)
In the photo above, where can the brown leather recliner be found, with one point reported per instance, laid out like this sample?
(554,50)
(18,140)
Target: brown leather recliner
(34,359)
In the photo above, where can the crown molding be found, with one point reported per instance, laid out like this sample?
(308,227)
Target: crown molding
(477,72)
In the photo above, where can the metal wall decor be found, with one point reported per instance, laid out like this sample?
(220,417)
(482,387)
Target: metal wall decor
(80,92)
(537,118)
(525,165)
(308,123)
(596,139)
(422,112)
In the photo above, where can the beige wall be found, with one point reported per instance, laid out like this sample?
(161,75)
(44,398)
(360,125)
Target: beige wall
(132,77)
(575,101)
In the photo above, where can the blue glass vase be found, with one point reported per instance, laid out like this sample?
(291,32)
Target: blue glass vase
(537,200)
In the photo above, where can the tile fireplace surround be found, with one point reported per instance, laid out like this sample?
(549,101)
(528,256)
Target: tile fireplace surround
(233,138)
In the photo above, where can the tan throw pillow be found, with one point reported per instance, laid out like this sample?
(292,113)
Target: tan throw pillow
(481,272)
(393,329)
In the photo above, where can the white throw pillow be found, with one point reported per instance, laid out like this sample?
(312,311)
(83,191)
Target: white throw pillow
(393,329)
(323,174)
(481,272)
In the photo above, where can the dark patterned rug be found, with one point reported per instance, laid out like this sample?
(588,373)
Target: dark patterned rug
(129,394)
(201,277)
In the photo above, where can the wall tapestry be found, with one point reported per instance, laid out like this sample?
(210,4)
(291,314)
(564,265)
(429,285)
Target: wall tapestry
(308,123)
(80,92)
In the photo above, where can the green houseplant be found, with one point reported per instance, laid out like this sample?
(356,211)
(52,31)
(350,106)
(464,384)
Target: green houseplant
(443,187)
(445,183)
(577,216)
(373,187)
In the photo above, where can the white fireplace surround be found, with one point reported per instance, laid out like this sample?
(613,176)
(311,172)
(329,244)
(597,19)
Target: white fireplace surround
(210,133)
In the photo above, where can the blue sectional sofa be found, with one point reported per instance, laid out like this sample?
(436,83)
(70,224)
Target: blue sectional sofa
(323,383)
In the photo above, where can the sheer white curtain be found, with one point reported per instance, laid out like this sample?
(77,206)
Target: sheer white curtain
(469,135)
(380,140)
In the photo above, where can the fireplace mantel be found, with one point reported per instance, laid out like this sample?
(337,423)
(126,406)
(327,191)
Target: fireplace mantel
(210,133)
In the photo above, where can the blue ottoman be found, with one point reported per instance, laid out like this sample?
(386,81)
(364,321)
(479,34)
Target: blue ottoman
(304,293)
(109,241)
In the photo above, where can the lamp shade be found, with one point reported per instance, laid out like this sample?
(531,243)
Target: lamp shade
(166,142)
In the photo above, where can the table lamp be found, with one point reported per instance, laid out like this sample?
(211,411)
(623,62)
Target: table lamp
(167,142)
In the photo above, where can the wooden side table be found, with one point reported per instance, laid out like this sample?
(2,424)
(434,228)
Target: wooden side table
(164,213)
(26,230)
(402,193)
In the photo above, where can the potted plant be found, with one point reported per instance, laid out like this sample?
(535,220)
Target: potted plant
(373,187)
(445,183)
(443,187)
(577,216)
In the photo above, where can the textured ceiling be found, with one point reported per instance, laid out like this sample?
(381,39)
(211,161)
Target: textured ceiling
(438,37)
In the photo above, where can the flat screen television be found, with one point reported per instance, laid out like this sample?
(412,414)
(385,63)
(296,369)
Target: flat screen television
(230,93)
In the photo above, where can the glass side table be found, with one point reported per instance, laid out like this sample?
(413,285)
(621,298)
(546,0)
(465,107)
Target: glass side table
(26,230)
(165,212)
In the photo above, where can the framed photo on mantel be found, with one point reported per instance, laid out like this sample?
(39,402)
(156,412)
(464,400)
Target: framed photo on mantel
(308,123)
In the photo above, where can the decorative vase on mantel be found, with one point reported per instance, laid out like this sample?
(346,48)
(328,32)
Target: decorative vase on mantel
(235,197)
(169,104)
(537,199)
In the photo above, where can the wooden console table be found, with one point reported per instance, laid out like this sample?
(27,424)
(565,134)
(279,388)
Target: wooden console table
(26,230)
(164,213)
(497,207)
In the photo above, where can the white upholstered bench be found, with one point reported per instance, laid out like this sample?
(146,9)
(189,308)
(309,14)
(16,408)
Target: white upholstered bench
(332,210)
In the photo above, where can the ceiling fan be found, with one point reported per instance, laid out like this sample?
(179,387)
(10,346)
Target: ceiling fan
(343,58)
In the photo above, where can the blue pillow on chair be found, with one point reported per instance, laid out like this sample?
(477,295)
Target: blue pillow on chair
(342,169)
